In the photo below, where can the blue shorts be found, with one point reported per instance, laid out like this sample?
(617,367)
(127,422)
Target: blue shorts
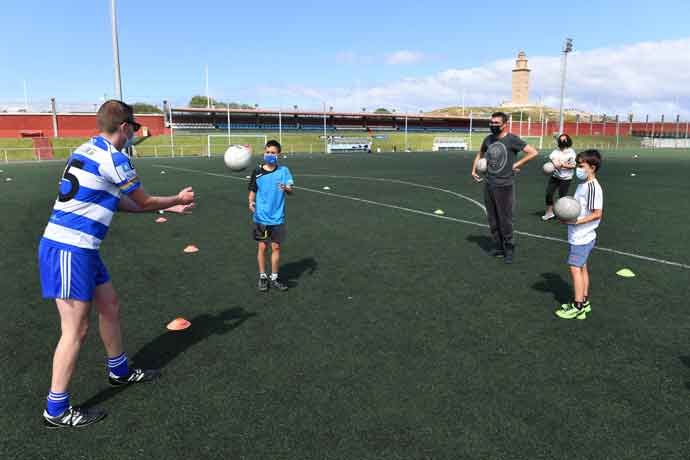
(69,274)
(579,253)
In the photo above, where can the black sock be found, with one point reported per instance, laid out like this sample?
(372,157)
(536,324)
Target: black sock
(578,305)
(585,299)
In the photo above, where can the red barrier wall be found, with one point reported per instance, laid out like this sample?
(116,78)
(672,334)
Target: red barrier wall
(69,124)
(584,128)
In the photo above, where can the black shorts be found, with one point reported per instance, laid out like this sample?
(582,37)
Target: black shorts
(266,233)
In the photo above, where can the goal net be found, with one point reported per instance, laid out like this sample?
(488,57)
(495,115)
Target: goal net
(217,144)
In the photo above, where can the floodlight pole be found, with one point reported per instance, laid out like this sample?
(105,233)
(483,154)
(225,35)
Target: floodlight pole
(228,107)
(208,99)
(26,98)
(618,131)
(116,50)
(280,125)
(567,48)
(172,131)
(54,112)
(325,139)
(405,131)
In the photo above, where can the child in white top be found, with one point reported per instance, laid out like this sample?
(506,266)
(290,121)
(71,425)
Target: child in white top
(563,158)
(582,233)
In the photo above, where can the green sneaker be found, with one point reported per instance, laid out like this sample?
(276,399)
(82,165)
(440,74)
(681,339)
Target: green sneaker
(587,306)
(569,311)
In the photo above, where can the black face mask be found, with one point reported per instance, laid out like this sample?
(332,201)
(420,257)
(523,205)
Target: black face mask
(562,144)
(495,130)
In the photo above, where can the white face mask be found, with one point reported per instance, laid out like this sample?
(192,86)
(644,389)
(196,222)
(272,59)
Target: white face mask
(581,173)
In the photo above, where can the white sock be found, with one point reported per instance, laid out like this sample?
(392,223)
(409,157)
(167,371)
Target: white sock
(274,276)
(263,275)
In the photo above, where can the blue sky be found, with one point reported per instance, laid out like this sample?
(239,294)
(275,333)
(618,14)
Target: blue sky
(283,53)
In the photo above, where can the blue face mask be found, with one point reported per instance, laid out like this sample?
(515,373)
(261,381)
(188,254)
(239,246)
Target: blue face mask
(271,159)
(581,173)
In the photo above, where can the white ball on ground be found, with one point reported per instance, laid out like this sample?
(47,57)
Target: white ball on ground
(567,208)
(238,157)
(548,168)
(481,165)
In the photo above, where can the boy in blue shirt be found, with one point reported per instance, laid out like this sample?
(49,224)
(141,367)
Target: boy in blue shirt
(269,184)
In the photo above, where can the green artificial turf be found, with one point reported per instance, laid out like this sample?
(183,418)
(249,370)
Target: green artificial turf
(399,338)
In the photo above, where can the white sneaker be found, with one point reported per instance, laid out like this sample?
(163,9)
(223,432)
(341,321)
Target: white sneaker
(548,216)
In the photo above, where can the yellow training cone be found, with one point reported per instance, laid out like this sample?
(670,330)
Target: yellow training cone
(625,273)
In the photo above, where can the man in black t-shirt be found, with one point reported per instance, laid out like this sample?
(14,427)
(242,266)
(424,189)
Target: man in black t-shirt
(501,149)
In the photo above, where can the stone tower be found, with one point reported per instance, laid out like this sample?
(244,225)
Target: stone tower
(520,81)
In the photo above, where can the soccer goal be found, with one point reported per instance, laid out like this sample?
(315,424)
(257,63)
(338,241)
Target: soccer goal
(217,144)
(338,144)
(445,144)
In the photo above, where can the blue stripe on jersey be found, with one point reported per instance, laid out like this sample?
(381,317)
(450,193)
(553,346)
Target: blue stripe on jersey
(100,197)
(129,187)
(89,165)
(120,158)
(99,142)
(81,223)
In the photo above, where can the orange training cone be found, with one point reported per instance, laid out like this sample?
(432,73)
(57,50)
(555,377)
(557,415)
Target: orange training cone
(191,249)
(178,324)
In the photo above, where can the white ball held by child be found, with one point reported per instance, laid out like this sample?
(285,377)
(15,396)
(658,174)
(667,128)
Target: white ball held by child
(567,208)
(548,168)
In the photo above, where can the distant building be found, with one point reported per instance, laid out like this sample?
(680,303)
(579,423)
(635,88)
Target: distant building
(520,87)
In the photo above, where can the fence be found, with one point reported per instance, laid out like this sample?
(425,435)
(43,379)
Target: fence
(192,146)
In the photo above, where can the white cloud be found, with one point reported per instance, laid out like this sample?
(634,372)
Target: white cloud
(648,77)
(404,57)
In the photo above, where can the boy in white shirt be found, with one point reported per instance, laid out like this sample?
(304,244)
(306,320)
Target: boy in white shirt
(582,233)
(563,158)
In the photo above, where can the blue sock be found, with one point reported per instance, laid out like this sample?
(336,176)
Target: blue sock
(57,403)
(118,365)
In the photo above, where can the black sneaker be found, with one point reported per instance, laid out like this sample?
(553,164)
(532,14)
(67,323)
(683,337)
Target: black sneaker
(74,417)
(135,376)
(276,284)
(509,254)
(262,284)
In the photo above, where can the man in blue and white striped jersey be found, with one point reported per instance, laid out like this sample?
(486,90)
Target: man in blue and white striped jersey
(98,181)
